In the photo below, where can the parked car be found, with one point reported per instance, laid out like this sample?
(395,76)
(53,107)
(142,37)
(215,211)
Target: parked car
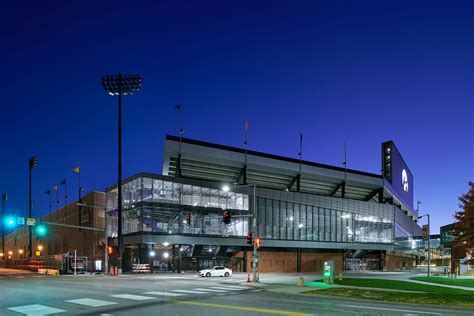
(216,271)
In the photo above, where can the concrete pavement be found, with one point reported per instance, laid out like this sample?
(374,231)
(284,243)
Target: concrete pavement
(173,294)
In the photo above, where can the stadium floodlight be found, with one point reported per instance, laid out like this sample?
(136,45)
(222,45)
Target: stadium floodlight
(119,85)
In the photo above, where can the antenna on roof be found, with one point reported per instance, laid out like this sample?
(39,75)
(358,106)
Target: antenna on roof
(301,149)
(345,163)
(179,107)
(246,145)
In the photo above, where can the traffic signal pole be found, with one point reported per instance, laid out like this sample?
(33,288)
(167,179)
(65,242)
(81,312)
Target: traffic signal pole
(254,224)
(30,211)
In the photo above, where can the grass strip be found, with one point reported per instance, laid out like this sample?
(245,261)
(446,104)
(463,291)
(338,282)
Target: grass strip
(465,300)
(446,281)
(401,285)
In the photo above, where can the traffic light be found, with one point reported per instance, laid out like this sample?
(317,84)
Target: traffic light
(10,221)
(33,162)
(41,230)
(249,238)
(257,242)
(112,250)
(226,218)
(188,218)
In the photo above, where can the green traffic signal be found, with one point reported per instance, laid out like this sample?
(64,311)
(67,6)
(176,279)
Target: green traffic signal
(10,221)
(41,230)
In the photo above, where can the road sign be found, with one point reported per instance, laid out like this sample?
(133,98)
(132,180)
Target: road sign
(38,253)
(20,221)
(30,221)
(424,232)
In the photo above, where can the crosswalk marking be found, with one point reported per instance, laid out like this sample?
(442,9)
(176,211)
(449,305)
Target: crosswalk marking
(209,290)
(235,287)
(225,288)
(91,302)
(163,293)
(188,291)
(133,297)
(36,310)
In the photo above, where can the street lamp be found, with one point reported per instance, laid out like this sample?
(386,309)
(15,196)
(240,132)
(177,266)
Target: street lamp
(226,188)
(118,85)
(33,162)
(429,244)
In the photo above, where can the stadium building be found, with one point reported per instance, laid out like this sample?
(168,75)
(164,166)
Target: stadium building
(306,212)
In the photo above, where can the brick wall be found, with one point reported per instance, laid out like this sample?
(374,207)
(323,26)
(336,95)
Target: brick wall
(286,261)
(395,260)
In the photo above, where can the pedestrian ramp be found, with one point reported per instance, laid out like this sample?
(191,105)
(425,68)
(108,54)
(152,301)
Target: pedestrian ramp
(68,306)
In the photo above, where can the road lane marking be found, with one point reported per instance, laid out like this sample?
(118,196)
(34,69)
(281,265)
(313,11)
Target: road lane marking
(392,309)
(225,288)
(188,291)
(209,290)
(91,302)
(163,293)
(240,308)
(36,310)
(133,297)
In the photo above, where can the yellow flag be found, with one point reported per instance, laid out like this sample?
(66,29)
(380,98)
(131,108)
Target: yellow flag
(55,187)
(77,169)
(246,124)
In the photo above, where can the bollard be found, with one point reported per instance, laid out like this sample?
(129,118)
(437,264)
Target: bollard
(300,281)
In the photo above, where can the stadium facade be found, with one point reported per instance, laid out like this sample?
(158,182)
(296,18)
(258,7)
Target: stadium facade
(305,212)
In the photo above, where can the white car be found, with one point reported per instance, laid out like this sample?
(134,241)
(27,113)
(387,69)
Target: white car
(216,271)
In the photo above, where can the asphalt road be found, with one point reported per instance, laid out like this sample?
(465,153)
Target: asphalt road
(23,293)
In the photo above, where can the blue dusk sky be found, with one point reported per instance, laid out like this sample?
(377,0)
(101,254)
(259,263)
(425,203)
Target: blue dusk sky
(355,72)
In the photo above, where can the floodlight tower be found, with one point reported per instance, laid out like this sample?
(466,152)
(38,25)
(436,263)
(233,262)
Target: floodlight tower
(119,85)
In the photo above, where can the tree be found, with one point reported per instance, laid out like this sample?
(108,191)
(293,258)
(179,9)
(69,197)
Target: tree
(465,219)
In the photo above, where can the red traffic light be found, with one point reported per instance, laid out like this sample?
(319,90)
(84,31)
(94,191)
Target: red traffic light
(226,218)
(249,238)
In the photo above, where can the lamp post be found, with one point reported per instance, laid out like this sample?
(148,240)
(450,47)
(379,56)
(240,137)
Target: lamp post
(4,198)
(118,85)
(33,162)
(226,188)
(429,243)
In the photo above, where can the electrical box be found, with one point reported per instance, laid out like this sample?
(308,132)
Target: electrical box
(328,271)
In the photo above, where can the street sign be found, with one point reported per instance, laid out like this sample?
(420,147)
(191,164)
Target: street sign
(424,232)
(20,221)
(30,221)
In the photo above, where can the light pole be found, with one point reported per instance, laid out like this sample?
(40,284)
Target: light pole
(429,243)
(33,162)
(226,188)
(118,85)
(4,198)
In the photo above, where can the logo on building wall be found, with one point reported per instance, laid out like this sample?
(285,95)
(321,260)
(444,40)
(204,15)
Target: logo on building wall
(405,180)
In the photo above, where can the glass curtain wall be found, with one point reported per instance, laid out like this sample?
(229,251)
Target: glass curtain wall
(161,206)
(294,221)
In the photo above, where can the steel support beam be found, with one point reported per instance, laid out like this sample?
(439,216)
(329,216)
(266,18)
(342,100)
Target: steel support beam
(297,180)
(339,186)
(372,194)
(242,175)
